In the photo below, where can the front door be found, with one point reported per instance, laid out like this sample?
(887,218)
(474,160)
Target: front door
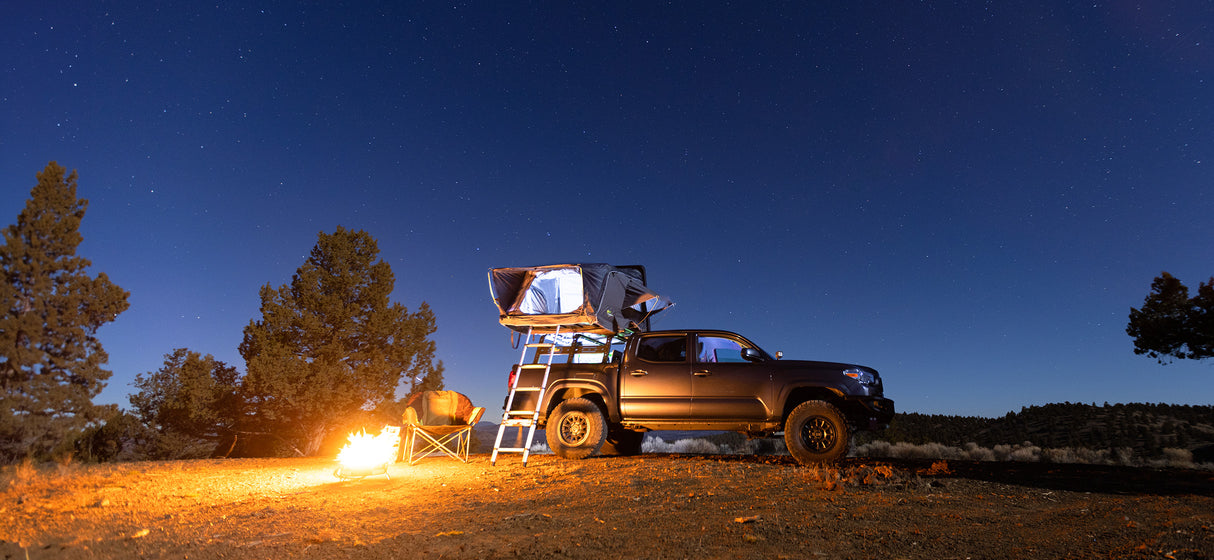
(726,387)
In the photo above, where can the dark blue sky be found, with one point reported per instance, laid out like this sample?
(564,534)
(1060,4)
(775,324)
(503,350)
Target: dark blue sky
(967,197)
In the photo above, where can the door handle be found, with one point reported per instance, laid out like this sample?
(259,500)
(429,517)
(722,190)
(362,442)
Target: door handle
(701,373)
(638,372)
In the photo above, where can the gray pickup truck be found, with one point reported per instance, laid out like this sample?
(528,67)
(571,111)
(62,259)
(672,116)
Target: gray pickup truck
(703,380)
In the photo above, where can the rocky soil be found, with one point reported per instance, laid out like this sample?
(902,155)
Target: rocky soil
(649,506)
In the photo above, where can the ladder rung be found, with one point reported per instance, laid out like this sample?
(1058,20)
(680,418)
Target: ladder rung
(517,389)
(535,366)
(521,412)
(512,449)
(540,345)
(518,422)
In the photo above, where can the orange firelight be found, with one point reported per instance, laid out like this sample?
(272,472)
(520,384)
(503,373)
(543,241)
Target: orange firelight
(368,455)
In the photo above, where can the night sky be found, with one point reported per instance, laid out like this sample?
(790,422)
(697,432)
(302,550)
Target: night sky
(969,198)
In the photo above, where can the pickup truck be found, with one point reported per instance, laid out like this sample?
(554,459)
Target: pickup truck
(701,380)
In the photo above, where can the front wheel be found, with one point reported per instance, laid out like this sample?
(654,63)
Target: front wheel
(576,429)
(816,433)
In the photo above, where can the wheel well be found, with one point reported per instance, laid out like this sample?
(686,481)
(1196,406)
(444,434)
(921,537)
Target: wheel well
(802,394)
(574,393)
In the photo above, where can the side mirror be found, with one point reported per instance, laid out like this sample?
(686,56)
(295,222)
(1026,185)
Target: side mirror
(751,355)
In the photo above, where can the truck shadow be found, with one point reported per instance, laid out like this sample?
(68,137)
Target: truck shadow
(1103,479)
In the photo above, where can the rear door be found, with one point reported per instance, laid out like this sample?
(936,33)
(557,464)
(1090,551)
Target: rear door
(726,387)
(655,382)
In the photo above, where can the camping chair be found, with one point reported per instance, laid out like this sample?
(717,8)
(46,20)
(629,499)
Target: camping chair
(443,420)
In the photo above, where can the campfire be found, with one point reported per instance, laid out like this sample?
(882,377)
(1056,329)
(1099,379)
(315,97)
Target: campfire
(368,455)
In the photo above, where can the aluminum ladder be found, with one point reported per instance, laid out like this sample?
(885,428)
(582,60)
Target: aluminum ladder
(544,348)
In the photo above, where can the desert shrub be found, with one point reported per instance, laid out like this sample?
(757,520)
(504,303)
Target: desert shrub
(172,446)
(1002,451)
(1091,456)
(878,448)
(975,452)
(764,446)
(540,448)
(734,443)
(904,450)
(723,440)
(1177,458)
(1023,452)
(655,444)
(1026,452)
(697,446)
(121,437)
(1059,455)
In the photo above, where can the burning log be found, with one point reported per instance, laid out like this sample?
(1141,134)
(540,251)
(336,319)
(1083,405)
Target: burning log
(368,455)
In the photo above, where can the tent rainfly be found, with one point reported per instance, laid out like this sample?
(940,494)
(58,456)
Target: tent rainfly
(590,298)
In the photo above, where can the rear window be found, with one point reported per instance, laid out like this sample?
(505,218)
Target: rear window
(663,349)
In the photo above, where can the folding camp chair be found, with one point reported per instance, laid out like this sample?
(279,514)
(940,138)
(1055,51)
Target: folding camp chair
(443,421)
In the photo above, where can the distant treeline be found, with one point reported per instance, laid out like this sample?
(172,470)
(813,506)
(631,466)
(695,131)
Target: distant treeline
(1148,429)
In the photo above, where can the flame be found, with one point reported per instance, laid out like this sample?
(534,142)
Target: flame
(365,452)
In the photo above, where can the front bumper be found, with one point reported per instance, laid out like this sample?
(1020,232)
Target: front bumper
(871,413)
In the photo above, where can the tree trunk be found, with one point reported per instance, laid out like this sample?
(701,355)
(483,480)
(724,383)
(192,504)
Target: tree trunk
(220,453)
(315,439)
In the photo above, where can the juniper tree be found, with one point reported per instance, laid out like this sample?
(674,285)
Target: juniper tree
(190,395)
(331,343)
(50,358)
(1171,325)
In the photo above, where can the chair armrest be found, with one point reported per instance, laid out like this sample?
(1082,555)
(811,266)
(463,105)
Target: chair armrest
(476,415)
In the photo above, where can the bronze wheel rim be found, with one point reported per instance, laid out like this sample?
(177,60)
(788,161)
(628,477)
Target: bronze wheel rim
(574,429)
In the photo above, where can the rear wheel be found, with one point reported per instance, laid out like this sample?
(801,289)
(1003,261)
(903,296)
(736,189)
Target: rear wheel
(576,429)
(816,433)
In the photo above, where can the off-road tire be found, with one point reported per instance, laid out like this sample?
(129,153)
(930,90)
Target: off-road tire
(576,429)
(816,432)
(622,442)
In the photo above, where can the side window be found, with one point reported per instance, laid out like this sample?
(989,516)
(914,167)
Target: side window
(718,349)
(663,349)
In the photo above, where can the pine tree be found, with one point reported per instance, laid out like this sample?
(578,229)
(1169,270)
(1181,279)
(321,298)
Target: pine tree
(50,358)
(330,343)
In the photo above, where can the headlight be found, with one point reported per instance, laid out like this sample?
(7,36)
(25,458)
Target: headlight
(864,377)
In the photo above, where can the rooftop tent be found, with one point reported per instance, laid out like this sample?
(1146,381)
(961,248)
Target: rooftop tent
(592,298)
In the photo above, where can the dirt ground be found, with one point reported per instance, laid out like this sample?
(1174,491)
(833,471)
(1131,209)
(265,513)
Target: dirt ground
(649,506)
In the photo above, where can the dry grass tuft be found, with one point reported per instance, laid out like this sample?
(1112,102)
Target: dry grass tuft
(828,477)
(937,468)
(833,479)
(25,472)
(20,475)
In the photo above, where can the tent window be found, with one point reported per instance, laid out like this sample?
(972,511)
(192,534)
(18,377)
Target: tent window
(552,292)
